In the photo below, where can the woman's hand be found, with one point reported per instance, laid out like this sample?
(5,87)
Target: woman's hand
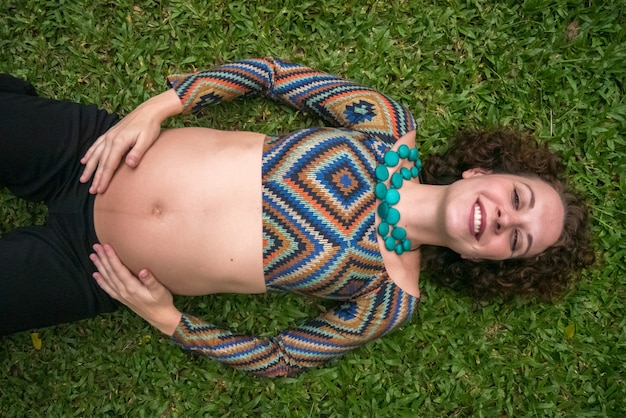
(131,137)
(145,295)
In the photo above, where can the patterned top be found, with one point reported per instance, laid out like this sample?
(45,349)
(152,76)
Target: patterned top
(318,215)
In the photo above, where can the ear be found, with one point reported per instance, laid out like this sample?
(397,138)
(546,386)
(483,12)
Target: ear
(476,171)
(472,259)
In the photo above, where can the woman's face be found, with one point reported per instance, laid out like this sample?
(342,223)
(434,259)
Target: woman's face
(501,216)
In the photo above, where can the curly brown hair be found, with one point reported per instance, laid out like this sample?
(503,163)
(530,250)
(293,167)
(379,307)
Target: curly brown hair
(546,275)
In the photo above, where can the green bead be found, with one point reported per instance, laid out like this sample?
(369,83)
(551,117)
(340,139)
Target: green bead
(383,210)
(397,180)
(398,233)
(380,191)
(393,216)
(394,236)
(382,173)
(393,197)
(383,228)
(391,158)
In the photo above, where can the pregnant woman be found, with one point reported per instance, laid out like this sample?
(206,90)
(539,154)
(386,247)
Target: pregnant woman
(337,212)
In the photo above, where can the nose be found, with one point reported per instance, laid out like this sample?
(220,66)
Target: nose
(504,220)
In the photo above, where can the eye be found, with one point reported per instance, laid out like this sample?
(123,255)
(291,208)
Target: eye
(515,199)
(514,241)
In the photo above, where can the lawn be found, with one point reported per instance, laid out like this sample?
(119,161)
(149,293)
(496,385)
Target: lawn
(554,67)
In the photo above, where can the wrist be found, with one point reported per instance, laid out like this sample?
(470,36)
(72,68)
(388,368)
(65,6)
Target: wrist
(167,321)
(163,106)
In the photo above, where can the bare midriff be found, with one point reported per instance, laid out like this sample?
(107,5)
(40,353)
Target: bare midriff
(191,212)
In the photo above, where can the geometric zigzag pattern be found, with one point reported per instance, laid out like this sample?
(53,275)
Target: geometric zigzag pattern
(338,101)
(311,344)
(318,215)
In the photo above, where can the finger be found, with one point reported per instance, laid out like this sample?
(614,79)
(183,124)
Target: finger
(114,260)
(136,153)
(118,270)
(109,163)
(148,280)
(90,160)
(104,285)
(90,166)
(102,169)
(101,163)
(89,170)
(91,149)
(133,158)
(102,265)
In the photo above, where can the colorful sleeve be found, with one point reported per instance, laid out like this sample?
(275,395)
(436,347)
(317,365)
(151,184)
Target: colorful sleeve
(341,102)
(326,337)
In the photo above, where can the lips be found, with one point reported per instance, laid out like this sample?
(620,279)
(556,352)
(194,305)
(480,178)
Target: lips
(477,220)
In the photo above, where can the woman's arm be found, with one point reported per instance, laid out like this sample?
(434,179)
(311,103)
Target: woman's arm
(341,102)
(144,294)
(132,136)
(330,335)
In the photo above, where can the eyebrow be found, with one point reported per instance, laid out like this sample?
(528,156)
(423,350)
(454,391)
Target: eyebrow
(529,238)
(532,195)
(530,205)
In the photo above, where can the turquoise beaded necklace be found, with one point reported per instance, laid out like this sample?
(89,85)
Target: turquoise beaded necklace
(394,235)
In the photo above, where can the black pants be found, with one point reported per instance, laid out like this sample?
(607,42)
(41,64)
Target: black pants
(45,271)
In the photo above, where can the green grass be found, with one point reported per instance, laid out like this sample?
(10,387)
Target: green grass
(555,67)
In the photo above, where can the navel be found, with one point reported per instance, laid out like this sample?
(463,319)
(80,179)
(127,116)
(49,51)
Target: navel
(157,210)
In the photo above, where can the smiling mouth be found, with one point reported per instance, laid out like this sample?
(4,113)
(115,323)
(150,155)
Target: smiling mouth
(477,224)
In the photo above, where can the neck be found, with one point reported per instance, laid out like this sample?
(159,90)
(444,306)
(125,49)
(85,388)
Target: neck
(423,213)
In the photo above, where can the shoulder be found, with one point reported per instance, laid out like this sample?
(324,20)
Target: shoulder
(404,270)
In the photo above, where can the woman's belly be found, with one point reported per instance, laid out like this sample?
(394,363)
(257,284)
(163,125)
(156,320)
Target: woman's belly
(191,212)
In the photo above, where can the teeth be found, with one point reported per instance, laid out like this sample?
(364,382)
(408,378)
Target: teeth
(478,216)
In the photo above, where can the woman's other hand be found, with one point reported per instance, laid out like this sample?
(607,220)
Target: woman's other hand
(131,137)
(144,294)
